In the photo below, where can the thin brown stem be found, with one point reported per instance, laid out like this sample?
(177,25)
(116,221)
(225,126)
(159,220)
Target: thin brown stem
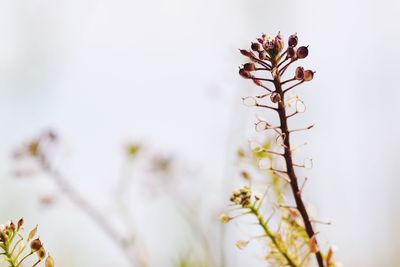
(289,165)
(262,63)
(265,106)
(263,79)
(291,87)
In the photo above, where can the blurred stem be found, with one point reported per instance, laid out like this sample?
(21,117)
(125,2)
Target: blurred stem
(270,234)
(94,214)
(8,255)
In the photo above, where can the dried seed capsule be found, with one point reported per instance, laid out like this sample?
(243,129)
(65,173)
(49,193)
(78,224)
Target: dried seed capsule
(249,101)
(302,52)
(245,74)
(275,97)
(291,53)
(32,233)
(308,75)
(249,67)
(49,261)
(12,227)
(36,245)
(41,253)
(246,53)
(20,223)
(299,74)
(255,47)
(293,40)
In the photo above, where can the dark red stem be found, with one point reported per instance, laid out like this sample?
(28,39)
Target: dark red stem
(289,166)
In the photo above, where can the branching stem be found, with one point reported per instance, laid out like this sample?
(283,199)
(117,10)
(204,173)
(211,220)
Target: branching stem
(291,262)
(289,164)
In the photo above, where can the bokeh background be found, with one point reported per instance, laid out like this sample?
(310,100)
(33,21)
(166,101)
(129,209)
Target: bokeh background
(104,74)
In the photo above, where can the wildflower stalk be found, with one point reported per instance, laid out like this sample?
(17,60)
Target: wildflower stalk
(271,49)
(272,236)
(290,166)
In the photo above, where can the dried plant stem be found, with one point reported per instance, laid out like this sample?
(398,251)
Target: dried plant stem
(133,256)
(271,235)
(290,166)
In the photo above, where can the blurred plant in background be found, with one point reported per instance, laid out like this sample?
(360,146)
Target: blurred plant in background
(13,245)
(288,228)
(37,156)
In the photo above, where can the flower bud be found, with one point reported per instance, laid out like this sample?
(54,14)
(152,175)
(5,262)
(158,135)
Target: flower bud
(293,40)
(255,47)
(245,74)
(224,218)
(12,227)
(34,148)
(32,233)
(302,52)
(49,261)
(245,175)
(20,223)
(278,44)
(299,74)
(241,244)
(308,75)
(249,67)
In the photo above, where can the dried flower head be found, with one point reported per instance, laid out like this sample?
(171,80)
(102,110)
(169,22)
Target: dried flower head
(242,197)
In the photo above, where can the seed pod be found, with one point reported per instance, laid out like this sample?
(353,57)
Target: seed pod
(245,175)
(41,253)
(245,74)
(241,244)
(12,227)
(302,52)
(275,97)
(255,47)
(32,233)
(246,53)
(293,40)
(49,261)
(36,245)
(290,53)
(249,67)
(299,74)
(20,223)
(308,75)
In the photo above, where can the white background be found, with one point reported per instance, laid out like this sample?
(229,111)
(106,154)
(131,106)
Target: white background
(102,73)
